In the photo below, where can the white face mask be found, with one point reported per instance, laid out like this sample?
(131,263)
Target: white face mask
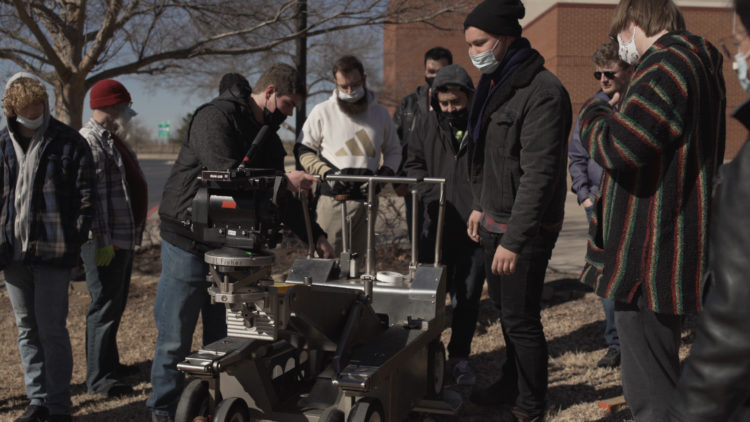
(740,66)
(30,124)
(352,97)
(628,52)
(485,61)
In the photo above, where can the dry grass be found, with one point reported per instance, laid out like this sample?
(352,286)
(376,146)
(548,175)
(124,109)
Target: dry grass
(572,318)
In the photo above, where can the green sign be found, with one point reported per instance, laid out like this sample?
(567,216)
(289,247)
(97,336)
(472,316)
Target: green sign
(164,130)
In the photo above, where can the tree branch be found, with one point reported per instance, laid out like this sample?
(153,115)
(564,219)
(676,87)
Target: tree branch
(103,36)
(46,48)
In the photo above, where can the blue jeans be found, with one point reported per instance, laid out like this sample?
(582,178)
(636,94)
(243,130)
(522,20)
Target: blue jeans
(180,296)
(108,287)
(39,295)
(610,330)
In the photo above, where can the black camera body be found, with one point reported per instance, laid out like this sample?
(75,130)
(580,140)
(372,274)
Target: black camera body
(237,208)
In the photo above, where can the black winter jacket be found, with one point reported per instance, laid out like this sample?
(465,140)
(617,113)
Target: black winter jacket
(411,107)
(518,163)
(715,380)
(432,153)
(219,136)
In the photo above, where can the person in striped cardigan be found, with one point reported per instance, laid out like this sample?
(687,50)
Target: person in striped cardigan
(647,247)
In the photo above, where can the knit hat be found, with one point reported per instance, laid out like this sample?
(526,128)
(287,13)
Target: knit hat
(108,92)
(229,80)
(497,17)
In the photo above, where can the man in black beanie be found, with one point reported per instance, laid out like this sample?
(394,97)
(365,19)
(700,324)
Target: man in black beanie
(518,125)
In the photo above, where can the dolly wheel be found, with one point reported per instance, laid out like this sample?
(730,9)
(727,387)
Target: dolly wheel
(231,410)
(332,414)
(367,410)
(193,402)
(435,369)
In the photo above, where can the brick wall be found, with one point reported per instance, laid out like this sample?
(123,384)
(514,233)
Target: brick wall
(566,35)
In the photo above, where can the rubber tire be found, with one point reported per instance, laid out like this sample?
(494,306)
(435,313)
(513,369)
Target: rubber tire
(232,409)
(368,409)
(332,414)
(435,369)
(193,402)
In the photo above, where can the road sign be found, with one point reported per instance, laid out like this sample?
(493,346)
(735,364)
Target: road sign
(164,130)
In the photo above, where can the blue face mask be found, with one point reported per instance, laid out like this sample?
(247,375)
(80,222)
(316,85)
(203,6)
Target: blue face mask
(486,62)
(740,66)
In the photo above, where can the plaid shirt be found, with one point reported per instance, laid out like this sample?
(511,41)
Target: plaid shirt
(61,204)
(114,223)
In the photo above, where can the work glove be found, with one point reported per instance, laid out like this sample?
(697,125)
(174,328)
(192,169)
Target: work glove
(385,172)
(337,187)
(103,256)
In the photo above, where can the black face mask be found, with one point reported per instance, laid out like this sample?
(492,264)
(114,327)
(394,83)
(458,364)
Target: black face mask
(429,80)
(458,119)
(274,119)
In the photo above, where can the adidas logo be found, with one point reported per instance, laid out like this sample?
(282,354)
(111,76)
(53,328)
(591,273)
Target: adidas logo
(354,147)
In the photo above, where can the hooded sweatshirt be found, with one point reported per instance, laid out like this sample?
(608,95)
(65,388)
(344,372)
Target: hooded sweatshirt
(349,142)
(434,151)
(46,204)
(660,153)
(28,161)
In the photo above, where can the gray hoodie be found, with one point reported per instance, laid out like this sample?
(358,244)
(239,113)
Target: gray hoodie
(28,162)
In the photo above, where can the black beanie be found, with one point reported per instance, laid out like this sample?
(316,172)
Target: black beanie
(497,17)
(235,79)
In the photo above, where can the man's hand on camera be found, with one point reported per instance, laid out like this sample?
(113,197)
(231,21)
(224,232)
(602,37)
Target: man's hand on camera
(299,181)
(324,249)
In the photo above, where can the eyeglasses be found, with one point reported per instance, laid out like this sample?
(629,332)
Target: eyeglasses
(734,40)
(608,75)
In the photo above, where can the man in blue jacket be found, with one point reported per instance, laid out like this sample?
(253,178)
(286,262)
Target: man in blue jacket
(46,207)
(613,75)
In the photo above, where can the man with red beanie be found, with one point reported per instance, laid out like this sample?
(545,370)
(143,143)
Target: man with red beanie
(120,205)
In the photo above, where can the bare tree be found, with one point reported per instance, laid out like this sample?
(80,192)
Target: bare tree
(72,44)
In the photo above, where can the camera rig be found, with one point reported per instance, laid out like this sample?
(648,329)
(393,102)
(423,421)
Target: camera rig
(327,344)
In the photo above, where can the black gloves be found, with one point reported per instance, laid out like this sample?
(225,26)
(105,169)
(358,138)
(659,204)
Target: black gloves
(385,171)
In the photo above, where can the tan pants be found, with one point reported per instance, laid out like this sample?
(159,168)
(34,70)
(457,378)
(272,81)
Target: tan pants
(329,218)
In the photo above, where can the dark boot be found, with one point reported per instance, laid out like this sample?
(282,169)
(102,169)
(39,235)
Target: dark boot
(34,413)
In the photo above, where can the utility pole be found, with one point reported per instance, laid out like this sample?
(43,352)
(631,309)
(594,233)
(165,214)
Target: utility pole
(301,62)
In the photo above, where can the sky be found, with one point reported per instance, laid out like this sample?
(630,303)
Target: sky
(156,104)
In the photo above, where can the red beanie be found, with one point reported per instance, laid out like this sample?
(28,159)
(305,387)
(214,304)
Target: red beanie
(108,92)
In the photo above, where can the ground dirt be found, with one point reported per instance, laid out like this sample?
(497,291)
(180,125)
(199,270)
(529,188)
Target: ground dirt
(572,318)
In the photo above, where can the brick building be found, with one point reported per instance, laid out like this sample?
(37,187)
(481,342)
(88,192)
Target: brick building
(566,34)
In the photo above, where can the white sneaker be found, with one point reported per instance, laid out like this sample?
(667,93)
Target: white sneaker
(462,373)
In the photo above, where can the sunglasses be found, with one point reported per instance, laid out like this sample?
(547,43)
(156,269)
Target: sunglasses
(733,40)
(608,75)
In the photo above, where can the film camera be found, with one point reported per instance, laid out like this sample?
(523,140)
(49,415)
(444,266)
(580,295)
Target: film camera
(323,345)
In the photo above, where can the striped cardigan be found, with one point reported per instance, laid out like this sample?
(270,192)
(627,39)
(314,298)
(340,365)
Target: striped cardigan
(660,153)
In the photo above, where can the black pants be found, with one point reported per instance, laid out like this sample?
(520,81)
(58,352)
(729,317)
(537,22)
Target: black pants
(464,262)
(523,376)
(465,281)
(649,352)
